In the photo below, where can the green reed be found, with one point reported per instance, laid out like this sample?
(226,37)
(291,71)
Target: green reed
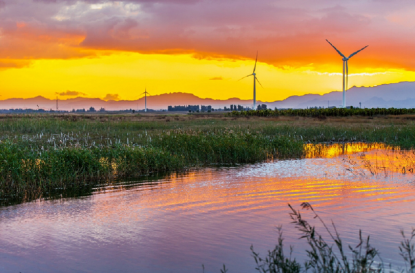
(41,164)
(43,131)
(41,153)
(329,254)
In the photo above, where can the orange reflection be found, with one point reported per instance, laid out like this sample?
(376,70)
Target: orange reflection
(328,151)
(211,191)
(385,161)
(367,158)
(223,192)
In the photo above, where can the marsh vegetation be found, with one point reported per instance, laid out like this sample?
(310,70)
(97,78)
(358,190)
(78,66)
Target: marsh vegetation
(212,215)
(40,154)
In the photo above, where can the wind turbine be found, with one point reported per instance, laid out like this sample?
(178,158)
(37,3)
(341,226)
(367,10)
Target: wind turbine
(255,80)
(345,70)
(145,93)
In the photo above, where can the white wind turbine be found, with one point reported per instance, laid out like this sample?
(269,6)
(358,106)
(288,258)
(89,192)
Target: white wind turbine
(145,100)
(345,70)
(255,80)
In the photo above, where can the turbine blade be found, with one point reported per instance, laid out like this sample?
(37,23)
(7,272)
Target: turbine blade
(258,82)
(351,55)
(244,77)
(255,61)
(338,51)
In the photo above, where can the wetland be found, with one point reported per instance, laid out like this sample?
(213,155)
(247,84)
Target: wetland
(173,193)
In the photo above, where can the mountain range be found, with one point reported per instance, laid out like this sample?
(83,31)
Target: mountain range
(398,95)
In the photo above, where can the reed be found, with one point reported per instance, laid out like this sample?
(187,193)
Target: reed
(30,167)
(39,154)
(330,254)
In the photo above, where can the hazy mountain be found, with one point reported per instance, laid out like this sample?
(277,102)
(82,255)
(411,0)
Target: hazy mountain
(154,102)
(388,95)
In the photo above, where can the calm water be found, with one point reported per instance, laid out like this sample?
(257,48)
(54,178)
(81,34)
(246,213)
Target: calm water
(211,216)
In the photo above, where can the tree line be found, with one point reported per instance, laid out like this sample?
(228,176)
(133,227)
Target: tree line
(324,112)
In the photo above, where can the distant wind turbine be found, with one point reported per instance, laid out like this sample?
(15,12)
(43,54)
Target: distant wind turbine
(345,70)
(255,80)
(145,93)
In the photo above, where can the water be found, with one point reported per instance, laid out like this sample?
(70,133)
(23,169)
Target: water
(212,216)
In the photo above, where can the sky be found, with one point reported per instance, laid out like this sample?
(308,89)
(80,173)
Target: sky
(113,50)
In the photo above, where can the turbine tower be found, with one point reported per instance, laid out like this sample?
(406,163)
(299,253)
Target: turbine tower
(255,80)
(145,100)
(345,70)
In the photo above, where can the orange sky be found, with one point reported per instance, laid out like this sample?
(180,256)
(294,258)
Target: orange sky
(114,49)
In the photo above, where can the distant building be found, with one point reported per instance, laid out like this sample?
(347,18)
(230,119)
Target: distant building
(193,108)
(234,107)
(262,107)
(205,108)
(20,110)
(240,108)
(102,109)
(91,109)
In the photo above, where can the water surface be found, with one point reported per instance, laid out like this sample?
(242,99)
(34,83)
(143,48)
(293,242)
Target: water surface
(212,216)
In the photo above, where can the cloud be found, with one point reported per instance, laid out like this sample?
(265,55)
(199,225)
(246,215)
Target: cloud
(14,63)
(69,93)
(216,79)
(283,33)
(350,75)
(111,97)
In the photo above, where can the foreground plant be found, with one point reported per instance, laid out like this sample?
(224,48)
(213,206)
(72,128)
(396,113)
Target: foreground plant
(324,256)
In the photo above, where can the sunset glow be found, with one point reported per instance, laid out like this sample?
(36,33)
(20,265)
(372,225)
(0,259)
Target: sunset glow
(96,48)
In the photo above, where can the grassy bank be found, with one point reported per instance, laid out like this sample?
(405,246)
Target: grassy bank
(137,129)
(41,153)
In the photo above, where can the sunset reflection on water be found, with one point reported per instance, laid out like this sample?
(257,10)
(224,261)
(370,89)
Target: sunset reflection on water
(212,216)
(367,158)
(332,150)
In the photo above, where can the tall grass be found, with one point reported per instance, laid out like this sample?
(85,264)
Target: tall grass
(330,254)
(41,153)
(44,130)
(30,168)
